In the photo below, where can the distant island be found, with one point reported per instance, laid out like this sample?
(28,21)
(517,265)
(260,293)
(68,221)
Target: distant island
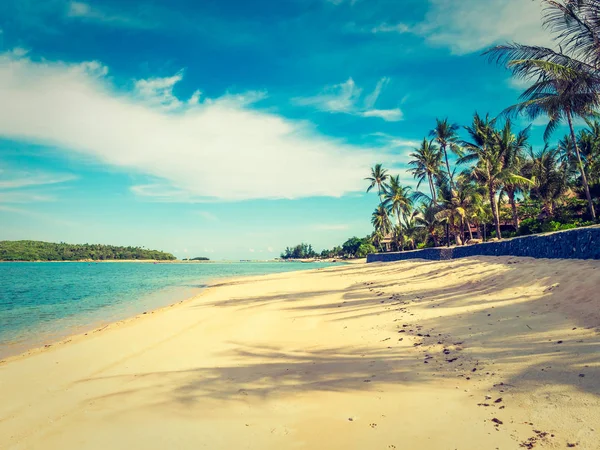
(49,251)
(198,258)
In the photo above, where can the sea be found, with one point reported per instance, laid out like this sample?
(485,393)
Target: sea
(41,303)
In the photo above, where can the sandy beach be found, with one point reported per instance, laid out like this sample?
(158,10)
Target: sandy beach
(479,353)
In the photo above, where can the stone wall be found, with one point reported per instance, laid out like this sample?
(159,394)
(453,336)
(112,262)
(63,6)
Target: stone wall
(581,243)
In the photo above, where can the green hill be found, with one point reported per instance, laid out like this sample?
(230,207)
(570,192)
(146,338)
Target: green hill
(48,251)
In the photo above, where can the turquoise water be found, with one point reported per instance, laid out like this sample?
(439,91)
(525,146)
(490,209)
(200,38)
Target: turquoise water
(43,302)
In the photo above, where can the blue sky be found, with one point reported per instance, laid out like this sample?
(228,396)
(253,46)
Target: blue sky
(231,128)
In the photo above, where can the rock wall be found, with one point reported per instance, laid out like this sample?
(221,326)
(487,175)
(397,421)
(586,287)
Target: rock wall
(580,243)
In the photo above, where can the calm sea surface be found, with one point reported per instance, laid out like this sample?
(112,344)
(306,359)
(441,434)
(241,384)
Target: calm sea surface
(43,302)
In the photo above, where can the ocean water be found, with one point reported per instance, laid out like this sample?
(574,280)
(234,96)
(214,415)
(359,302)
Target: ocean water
(41,303)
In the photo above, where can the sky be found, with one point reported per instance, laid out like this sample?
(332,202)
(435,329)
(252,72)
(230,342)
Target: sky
(227,128)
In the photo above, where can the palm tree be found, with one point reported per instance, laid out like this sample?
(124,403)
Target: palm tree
(379,177)
(411,230)
(549,176)
(513,147)
(467,196)
(589,143)
(397,198)
(451,213)
(565,84)
(445,134)
(489,162)
(426,161)
(561,94)
(380,220)
(427,218)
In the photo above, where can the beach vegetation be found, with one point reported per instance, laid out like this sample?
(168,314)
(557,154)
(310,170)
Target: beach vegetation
(485,180)
(48,251)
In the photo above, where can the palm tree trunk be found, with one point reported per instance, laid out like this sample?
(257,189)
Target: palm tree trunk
(469,227)
(431,186)
(435,241)
(448,167)
(513,206)
(581,168)
(495,210)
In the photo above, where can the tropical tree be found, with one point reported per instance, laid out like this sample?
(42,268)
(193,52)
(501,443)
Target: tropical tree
(411,230)
(549,177)
(451,213)
(380,220)
(426,161)
(446,135)
(427,218)
(379,177)
(397,199)
(513,148)
(489,163)
(565,84)
(589,144)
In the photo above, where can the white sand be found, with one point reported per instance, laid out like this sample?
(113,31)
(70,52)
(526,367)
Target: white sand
(317,360)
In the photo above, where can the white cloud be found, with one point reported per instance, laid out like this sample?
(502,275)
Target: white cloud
(346,98)
(389,115)
(25,179)
(387,28)
(15,186)
(159,91)
(84,11)
(216,149)
(468,26)
(472,25)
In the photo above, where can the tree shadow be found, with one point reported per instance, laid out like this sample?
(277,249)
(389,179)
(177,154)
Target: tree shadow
(519,318)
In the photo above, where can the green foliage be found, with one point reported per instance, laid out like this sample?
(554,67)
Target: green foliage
(300,251)
(533,226)
(364,249)
(200,258)
(530,226)
(353,248)
(48,251)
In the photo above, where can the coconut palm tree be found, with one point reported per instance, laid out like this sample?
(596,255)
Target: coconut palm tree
(513,147)
(489,163)
(565,84)
(427,218)
(379,177)
(445,134)
(411,230)
(550,177)
(380,220)
(561,94)
(589,143)
(426,161)
(397,199)
(451,213)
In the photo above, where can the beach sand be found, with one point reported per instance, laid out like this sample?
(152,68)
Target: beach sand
(478,353)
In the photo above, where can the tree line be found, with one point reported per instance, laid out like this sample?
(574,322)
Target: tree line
(353,248)
(48,251)
(485,178)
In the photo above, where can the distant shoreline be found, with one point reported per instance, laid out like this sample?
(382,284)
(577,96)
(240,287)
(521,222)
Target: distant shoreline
(180,261)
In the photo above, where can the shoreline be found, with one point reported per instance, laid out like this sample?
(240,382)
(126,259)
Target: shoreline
(96,329)
(490,352)
(68,338)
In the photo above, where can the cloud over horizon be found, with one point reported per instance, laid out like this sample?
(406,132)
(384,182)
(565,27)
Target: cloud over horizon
(221,148)
(347,98)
